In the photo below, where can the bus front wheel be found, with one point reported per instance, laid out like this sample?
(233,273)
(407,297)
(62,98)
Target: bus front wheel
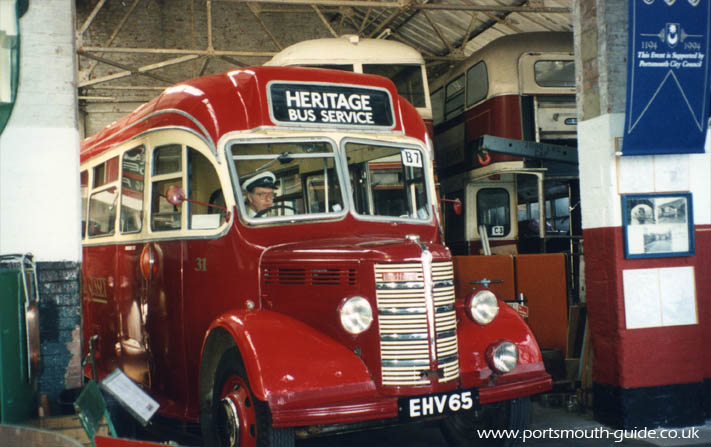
(510,417)
(240,420)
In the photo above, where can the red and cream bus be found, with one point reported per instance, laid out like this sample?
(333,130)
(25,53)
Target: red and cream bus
(505,137)
(335,307)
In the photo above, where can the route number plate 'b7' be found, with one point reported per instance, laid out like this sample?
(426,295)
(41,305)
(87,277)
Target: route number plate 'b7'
(438,404)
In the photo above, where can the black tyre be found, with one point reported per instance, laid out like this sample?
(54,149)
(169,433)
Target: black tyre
(468,429)
(237,418)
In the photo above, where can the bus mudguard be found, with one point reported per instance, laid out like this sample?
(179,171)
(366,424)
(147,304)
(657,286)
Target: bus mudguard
(288,363)
(474,340)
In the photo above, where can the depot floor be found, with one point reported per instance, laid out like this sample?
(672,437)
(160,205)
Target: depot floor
(552,426)
(555,423)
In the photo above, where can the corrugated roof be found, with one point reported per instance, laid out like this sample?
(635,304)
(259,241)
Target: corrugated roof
(444,31)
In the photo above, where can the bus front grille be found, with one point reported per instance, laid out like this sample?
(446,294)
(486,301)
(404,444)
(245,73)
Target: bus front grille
(404,328)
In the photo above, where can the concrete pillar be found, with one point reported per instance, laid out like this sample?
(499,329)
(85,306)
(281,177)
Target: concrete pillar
(657,375)
(39,185)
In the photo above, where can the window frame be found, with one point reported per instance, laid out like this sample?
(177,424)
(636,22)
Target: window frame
(150,140)
(470,102)
(508,216)
(461,93)
(426,181)
(240,197)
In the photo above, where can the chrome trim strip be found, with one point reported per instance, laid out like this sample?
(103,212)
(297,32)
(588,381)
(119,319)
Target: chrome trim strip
(406,337)
(429,302)
(416,362)
(402,311)
(446,308)
(206,135)
(401,285)
(449,359)
(402,337)
(414,310)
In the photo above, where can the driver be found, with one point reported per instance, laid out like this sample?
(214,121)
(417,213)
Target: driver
(260,192)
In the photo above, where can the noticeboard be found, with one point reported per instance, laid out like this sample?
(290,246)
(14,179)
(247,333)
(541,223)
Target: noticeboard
(667,77)
(658,225)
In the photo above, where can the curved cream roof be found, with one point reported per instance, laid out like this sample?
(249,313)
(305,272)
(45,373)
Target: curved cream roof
(346,49)
(502,57)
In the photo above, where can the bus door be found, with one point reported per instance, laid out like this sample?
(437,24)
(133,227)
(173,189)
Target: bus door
(546,266)
(159,267)
(131,298)
(503,211)
(101,187)
(489,205)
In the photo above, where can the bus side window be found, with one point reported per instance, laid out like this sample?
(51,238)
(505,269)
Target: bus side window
(477,83)
(454,97)
(167,171)
(204,187)
(103,199)
(438,106)
(84,188)
(102,212)
(132,181)
(106,172)
(406,77)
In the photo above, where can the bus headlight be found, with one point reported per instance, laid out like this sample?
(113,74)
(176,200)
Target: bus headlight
(483,307)
(356,315)
(502,356)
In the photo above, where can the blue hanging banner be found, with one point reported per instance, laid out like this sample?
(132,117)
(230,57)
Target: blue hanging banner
(667,77)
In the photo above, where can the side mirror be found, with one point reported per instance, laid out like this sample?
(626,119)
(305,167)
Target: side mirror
(175,195)
(456,205)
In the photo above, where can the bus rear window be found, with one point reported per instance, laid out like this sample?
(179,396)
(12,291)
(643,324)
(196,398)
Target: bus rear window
(407,79)
(554,73)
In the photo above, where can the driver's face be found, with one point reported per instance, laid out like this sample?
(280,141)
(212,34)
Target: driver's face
(260,198)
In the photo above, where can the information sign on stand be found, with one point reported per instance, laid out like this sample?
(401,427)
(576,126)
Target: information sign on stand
(131,396)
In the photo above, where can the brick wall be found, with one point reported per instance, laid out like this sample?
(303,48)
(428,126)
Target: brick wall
(60,322)
(180,24)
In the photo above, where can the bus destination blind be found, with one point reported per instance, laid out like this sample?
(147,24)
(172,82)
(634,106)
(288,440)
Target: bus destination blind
(330,105)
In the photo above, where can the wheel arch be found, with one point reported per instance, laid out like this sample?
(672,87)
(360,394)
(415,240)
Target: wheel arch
(273,348)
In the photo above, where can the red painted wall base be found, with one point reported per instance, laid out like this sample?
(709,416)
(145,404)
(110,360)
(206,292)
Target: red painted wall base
(649,357)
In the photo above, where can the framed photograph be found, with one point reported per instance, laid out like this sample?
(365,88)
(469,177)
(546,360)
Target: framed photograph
(658,225)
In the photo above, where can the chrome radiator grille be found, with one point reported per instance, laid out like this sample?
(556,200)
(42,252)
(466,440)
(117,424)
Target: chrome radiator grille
(402,312)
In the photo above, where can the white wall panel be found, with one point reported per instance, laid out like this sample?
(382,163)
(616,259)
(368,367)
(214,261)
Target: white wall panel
(39,149)
(605,175)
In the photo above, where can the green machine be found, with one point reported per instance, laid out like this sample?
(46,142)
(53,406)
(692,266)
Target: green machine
(19,338)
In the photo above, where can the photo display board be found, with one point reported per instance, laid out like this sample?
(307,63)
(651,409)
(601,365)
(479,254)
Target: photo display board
(657,225)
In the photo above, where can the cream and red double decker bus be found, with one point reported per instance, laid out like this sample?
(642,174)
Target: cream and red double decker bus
(331,306)
(505,125)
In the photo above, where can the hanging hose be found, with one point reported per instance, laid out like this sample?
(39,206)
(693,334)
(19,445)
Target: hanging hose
(483,158)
